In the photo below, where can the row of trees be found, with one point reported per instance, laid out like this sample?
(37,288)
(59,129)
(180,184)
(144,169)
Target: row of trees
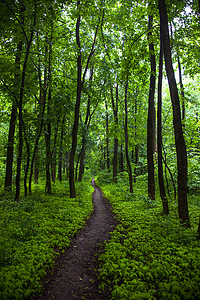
(80,78)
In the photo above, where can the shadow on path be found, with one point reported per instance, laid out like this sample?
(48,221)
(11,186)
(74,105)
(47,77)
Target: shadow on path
(74,276)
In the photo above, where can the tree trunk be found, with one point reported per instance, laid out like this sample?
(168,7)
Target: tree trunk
(21,96)
(182,92)
(107,140)
(136,145)
(48,147)
(126,140)
(179,138)
(80,84)
(10,147)
(54,153)
(121,160)
(61,151)
(40,117)
(151,118)
(159,136)
(115,113)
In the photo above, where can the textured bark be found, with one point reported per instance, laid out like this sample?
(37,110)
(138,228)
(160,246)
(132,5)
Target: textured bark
(159,136)
(179,138)
(126,141)
(151,118)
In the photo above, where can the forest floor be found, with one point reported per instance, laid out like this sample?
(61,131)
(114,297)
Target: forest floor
(75,272)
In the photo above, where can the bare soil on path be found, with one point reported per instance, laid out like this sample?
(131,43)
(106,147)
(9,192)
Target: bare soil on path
(75,275)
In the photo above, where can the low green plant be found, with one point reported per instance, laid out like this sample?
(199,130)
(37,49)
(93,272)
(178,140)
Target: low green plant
(34,231)
(150,256)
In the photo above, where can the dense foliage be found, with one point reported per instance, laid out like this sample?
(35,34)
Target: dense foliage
(150,256)
(34,232)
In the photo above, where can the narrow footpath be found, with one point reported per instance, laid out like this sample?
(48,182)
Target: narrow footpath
(75,275)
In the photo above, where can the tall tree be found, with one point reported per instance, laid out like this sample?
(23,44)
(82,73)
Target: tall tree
(20,115)
(151,116)
(80,84)
(179,138)
(126,139)
(115,114)
(159,135)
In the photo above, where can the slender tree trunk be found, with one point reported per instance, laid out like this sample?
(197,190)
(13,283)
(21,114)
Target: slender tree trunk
(151,118)
(80,84)
(126,140)
(115,113)
(21,96)
(136,145)
(121,159)
(159,136)
(10,147)
(179,138)
(40,117)
(61,151)
(54,153)
(182,92)
(107,140)
(48,147)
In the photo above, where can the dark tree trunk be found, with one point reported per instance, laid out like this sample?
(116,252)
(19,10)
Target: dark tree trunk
(182,92)
(54,153)
(48,147)
(136,145)
(27,161)
(80,84)
(21,96)
(115,151)
(126,140)
(10,147)
(107,140)
(121,160)
(36,170)
(87,123)
(151,118)
(159,136)
(40,117)
(179,138)
(61,151)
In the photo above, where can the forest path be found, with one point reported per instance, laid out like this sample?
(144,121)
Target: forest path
(74,276)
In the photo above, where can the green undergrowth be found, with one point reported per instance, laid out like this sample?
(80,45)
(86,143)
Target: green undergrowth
(34,232)
(149,256)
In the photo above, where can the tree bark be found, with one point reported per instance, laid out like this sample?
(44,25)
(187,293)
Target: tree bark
(115,150)
(21,96)
(80,84)
(182,92)
(107,140)
(10,147)
(159,136)
(61,151)
(179,138)
(121,160)
(48,147)
(126,140)
(151,118)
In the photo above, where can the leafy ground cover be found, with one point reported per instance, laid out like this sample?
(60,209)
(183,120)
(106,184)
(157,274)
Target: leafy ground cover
(150,256)
(34,231)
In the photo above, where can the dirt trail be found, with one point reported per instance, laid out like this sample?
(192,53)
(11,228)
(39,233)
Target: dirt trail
(74,276)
